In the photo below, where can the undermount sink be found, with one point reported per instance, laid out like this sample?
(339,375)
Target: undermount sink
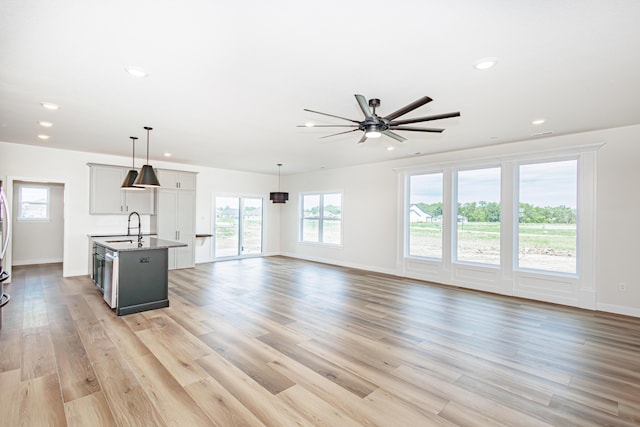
(120,241)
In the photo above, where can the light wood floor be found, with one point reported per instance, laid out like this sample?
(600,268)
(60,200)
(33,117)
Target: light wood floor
(279,342)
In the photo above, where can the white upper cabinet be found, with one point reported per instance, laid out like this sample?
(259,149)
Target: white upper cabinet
(176,179)
(106,196)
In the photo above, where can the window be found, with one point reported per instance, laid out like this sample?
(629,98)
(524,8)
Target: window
(478,216)
(321,218)
(547,201)
(425,215)
(33,203)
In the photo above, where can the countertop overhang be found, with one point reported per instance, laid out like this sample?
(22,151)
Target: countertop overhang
(132,244)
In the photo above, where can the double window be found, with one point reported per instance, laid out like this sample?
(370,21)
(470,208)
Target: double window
(321,218)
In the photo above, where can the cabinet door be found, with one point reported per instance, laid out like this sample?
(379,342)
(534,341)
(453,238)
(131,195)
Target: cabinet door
(167,214)
(168,178)
(105,196)
(187,181)
(186,228)
(141,201)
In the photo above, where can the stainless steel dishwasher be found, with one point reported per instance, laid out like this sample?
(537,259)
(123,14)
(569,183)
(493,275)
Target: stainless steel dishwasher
(110,274)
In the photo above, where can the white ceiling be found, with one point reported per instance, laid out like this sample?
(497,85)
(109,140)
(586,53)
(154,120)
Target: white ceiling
(228,81)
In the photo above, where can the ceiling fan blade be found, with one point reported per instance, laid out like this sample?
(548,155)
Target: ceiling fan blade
(339,133)
(417,129)
(363,139)
(394,135)
(424,119)
(364,105)
(331,115)
(407,108)
(327,126)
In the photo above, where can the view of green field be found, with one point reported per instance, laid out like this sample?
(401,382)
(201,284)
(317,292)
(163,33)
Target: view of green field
(541,246)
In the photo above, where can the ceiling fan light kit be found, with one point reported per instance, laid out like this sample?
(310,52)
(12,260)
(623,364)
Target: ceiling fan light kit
(279,196)
(147,176)
(375,126)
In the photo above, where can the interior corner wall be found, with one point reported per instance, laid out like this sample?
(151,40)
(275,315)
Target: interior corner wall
(371,217)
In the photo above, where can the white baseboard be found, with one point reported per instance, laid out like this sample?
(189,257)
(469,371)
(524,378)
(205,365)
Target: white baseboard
(372,268)
(618,309)
(36,261)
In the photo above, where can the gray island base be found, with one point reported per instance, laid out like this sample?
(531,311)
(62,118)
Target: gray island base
(139,274)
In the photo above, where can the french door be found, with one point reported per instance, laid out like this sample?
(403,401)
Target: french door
(238,226)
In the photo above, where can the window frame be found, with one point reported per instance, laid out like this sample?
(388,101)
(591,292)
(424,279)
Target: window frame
(407,208)
(21,202)
(455,213)
(321,218)
(516,219)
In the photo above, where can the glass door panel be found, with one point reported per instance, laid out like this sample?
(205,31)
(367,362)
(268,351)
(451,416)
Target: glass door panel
(227,226)
(251,226)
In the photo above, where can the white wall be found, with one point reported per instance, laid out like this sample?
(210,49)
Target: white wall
(371,197)
(39,242)
(30,163)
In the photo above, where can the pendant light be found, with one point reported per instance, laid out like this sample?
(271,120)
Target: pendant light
(279,196)
(127,184)
(147,176)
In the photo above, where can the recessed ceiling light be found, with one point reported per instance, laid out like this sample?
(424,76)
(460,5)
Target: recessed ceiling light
(167,154)
(43,136)
(485,63)
(136,71)
(50,106)
(45,124)
(391,148)
(309,124)
(537,122)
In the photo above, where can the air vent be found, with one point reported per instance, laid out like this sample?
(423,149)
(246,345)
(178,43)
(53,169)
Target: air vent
(547,133)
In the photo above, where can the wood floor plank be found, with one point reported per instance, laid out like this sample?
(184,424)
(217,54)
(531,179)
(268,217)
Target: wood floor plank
(9,397)
(173,403)
(38,357)
(127,342)
(41,402)
(270,410)
(177,355)
(77,378)
(10,349)
(92,410)
(220,405)
(129,404)
(314,409)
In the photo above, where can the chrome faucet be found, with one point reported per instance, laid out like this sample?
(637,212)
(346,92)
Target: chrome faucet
(139,227)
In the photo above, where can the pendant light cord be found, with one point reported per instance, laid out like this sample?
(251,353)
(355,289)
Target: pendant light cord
(148,129)
(133,153)
(279,166)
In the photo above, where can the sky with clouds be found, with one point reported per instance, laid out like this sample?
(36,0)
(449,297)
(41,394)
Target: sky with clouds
(541,184)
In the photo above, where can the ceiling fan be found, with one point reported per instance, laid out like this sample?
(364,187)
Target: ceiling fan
(374,126)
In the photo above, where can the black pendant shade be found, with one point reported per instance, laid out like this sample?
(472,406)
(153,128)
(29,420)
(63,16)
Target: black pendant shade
(147,176)
(127,184)
(279,196)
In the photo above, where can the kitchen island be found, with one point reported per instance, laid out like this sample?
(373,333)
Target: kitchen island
(135,274)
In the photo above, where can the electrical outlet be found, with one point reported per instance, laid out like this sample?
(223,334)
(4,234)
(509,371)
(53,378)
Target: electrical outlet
(622,287)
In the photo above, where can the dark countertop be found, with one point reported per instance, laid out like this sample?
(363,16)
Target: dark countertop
(147,243)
